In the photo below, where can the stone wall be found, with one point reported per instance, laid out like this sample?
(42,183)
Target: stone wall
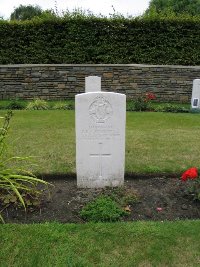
(169,83)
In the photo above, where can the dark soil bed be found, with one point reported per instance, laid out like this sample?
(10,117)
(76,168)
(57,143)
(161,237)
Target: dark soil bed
(157,198)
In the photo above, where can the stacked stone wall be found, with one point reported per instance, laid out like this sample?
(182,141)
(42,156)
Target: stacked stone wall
(51,82)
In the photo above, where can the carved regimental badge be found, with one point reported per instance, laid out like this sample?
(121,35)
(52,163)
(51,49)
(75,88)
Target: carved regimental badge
(100,109)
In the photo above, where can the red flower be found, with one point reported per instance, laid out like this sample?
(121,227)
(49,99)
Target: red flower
(191,173)
(150,96)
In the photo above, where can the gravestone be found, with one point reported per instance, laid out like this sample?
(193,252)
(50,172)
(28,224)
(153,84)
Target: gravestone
(100,137)
(195,101)
(92,84)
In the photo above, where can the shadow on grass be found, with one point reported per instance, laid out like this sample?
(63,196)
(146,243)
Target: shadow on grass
(128,176)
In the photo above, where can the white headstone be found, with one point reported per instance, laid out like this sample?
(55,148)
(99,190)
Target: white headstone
(92,84)
(100,139)
(195,101)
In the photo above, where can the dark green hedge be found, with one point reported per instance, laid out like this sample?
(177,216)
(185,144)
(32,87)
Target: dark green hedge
(101,40)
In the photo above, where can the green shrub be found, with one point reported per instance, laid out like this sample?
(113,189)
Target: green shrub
(169,108)
(38,104)
(130,105)
(64,106)
(95,40)
(71,106)
(15,104)
(172,108)
(143,103)
(102,209)
(158,108)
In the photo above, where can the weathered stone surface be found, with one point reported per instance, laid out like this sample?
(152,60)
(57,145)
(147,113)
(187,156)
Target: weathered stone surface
(183,98)
(72,79)
(100,139)
(108,75)
(92,84)
(61,85)
(172,83)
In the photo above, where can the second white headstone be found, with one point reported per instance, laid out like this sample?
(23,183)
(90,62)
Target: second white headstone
(195,101)
(92,84)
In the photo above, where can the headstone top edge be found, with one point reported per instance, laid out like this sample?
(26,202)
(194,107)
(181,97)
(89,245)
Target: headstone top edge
(96,76)
(100,92)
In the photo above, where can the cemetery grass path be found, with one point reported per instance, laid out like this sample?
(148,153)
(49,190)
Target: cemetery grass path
(108,244)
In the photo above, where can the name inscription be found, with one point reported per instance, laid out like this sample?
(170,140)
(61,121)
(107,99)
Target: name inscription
(100,132)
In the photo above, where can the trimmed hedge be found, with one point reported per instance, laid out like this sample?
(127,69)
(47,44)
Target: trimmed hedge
(101,40)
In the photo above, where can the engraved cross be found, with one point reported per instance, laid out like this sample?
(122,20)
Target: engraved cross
(100,155)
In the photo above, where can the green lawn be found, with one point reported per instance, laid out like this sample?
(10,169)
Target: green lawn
(116,244)
(155,142)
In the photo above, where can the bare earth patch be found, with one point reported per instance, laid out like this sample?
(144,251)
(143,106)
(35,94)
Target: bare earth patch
(157,198)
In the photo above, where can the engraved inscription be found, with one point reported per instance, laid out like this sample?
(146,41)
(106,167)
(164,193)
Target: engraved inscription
(195,102)
(100,132)
(100,156)
(100,109)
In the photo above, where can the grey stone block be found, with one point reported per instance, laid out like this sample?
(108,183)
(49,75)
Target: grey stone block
(72,79)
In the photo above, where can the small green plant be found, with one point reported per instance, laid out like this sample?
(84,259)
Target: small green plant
(130,199)
(159,108)
(63,106)
(143,103)
(38,104)
(174,109)
(71,106)
(130,106)
(31,199)
(122,196)
(15,183)
(102,209)
(169,108)
(15,104)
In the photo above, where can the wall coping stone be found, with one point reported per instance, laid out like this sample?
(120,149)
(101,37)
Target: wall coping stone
(99,65)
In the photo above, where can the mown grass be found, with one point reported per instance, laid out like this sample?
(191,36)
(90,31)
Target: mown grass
(48,136)
(155,142)
(162,142)
(109,244)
